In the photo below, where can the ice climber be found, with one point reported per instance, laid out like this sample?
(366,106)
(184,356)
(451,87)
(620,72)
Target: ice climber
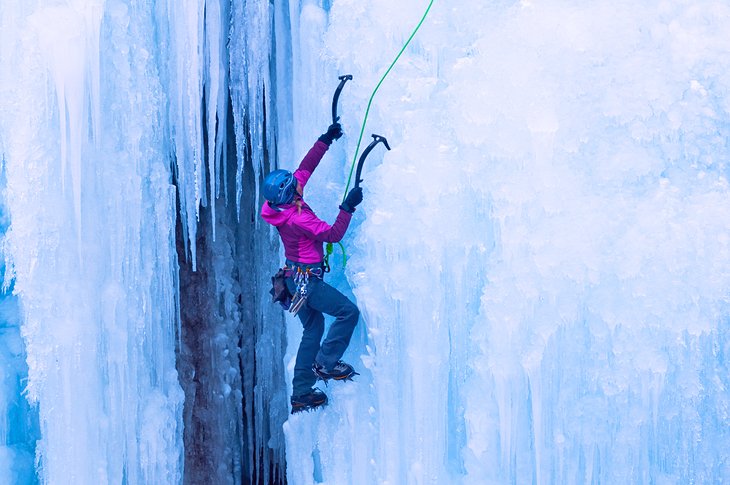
(303,234)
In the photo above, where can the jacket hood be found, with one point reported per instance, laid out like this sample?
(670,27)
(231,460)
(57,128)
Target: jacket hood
(277,217)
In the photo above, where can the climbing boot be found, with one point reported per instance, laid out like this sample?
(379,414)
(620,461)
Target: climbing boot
(340,372)
(309,401)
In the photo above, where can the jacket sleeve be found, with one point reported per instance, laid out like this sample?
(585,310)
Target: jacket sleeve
(318,230)
(310,162)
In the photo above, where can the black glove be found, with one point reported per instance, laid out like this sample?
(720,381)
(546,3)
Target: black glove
(352,200)
(334,132)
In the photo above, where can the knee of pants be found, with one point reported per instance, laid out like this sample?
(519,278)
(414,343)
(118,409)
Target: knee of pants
(314,329)
(352,313)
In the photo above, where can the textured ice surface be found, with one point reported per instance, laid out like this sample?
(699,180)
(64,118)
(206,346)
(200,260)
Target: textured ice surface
(91,240)
(542,260)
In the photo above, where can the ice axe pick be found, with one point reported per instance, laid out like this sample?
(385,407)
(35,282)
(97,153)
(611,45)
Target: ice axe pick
(343,80)
(376,139)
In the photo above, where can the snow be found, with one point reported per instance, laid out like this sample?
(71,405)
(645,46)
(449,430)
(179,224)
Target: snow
(542,260)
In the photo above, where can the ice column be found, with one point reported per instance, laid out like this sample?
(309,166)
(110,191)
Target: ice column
(251,86)
(92,237)
(256,27)
(193,36)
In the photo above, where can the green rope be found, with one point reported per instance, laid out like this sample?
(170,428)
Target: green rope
(367,111)
(329,252)
(364,121)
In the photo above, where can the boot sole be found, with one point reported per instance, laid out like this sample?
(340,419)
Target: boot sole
(298,408)
(348,377)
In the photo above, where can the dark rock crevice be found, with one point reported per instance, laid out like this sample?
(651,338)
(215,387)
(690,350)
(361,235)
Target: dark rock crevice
(232,340)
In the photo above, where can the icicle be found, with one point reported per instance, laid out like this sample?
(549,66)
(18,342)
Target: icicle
(104,343)
(186,21)
(250,87)
(250,84)
(93,11)
(220,154)
(65,37)
(214,84)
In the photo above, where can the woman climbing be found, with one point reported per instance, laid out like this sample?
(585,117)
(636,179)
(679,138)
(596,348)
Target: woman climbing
(302,234)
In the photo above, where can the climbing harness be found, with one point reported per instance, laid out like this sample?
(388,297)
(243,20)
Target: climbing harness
(301,275)
(301,279)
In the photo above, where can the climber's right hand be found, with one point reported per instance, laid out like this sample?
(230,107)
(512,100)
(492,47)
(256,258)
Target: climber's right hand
(334,132)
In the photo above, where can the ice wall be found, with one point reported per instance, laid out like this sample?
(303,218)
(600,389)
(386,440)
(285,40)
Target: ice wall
(542,260)
(91,240)
(18,422)
(127,119)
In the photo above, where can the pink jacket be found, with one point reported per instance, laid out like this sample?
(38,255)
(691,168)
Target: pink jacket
(303,233)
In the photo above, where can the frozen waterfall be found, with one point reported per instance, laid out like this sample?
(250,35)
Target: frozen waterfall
(542,261)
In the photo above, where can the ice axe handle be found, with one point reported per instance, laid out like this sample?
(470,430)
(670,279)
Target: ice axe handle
(335,99)
(376,139)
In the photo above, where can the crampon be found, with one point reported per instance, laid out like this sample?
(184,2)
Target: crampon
(308,402)
(340,372)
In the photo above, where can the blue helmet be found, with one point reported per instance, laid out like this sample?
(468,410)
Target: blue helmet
(279,187)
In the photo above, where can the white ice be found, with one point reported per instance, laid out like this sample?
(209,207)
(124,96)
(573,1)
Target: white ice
(543,259)
(91,239)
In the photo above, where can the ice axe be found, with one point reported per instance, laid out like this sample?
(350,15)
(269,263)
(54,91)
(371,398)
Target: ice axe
(343,80)
(376,139)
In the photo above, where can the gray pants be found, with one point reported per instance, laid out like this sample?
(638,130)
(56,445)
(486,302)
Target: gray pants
(321,298)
